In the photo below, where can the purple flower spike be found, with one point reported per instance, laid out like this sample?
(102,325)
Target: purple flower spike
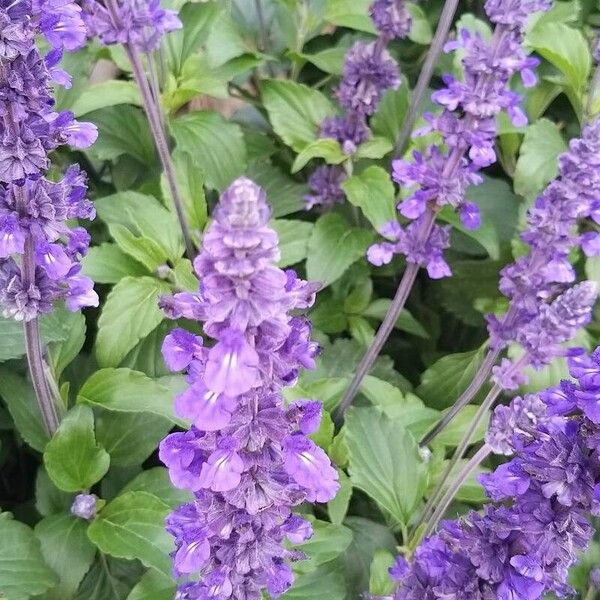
(246,457)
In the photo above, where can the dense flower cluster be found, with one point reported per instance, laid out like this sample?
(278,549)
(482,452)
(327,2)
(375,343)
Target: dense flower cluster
(39,253)
(368,72)
(247,457)
(442,173)
(523,547)
(551,234)
(140,23)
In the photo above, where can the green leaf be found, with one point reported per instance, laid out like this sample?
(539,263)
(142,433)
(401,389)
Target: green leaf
(129,314)
(566,48)
(132,526)
(143,249)
(198,20)
(54,327)
(49,500)
(107,263)
(144,216)
(295,111)
(384,461)
(67,549)
(73,459)
(380,583)
(153,585)
(333,247)
(23,408)
(328,541)
(375,147)
(330,60)
(215,145)
(405,322)
(122,130)
(369,537)
(293,240)
(447,378)
(156,481)
(124,390)
(285,195)
(104,94)
(353,14)
(420,31)
(327,581)
(453,434)
(537,163)
(389,118)
(373,192)
(62,353)
(338,507)
(23,572)
(109,579)
(130,438)
(326,148)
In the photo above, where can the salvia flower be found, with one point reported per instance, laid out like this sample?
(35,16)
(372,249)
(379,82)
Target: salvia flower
(368,72)
(140,23)
(39,252)
(523,546)
(441,174)
(84,506)
(247,457)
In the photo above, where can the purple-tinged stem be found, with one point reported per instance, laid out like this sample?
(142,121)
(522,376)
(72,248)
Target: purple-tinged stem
(153,112)
(408,279)
(441,33)
(33,343)
(481,376)
(451,492)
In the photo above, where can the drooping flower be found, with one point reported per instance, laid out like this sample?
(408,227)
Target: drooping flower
(247,458)
(39,252)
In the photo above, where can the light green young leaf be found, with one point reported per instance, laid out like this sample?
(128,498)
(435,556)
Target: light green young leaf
(23,572)
(380,583)
(141,248)
(375,147)
(333,247)
(215,145)
(67,549)
(130,313)
(124,390)
(73,459)
(293,240)
(537,163)
(384,461)
(373,192)
(132,526)
(295,111)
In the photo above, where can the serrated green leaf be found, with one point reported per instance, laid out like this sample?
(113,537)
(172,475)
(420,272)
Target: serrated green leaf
(132,526)
(537,163)
(23,572)
(73,459)
(384,461)
(130,313)
(375,147)
(141,248)
(328,541)
(215,145)
(295,111)
(293,240)
(124,390)
(373,192)
(333,247)
(67,550)
(156,481)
